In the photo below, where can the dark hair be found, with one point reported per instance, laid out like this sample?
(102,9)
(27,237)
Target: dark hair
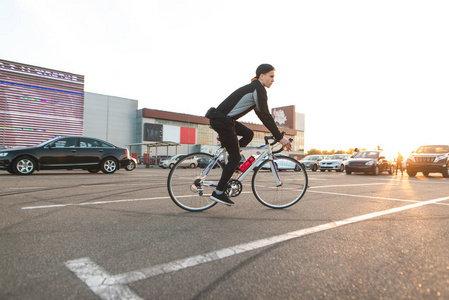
(262,69)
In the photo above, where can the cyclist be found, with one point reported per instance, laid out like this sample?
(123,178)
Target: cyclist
(223,120)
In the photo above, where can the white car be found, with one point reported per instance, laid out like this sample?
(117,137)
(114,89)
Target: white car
(283,164)
(169,163)
(334,162)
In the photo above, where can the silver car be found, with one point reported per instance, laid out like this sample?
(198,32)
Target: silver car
(311,162)
(169,163)
(334,162)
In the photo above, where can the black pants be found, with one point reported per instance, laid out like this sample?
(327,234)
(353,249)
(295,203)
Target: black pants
(228,130)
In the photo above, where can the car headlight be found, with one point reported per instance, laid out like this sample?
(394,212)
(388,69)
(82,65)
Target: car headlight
(369,163)
(3,154)
(442,157)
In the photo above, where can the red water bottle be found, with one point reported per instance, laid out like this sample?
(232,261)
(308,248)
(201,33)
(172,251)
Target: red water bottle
(247,163)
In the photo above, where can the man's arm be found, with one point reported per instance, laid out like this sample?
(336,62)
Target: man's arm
(264,114)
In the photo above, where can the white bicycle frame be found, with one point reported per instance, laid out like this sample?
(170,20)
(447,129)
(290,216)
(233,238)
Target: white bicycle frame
(266,153)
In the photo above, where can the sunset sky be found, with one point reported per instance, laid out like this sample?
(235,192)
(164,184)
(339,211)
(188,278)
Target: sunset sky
(364,73)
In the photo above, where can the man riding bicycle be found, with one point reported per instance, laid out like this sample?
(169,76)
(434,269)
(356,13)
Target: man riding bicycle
(223,120)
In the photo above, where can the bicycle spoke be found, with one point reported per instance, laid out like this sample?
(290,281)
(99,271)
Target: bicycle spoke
(187,188)
(293,180)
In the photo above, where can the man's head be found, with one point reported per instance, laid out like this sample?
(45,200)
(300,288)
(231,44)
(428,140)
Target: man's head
(265,74)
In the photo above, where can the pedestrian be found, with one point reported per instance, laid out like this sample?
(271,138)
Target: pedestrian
(223,120)
(399,161)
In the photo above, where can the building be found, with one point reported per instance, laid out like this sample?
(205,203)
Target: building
(38,104)
(193,134)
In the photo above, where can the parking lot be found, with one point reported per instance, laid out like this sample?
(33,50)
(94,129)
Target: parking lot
(75,235)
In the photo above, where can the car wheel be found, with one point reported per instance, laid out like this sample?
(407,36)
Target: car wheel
(446,172)
(93,171)
(24,165)
(192,166)
(171,166)
(314,168)
(411,173)
(131,166)
(348,172)
(376,170)
(425,173)
(109,166)
(342,168)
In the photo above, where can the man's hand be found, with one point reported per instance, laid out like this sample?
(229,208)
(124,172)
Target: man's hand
(286,144)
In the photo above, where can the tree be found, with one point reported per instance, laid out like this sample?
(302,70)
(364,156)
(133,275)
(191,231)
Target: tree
(314,151)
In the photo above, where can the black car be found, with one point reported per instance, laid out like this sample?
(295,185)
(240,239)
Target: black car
(75,152)
(428,159)
(373,161)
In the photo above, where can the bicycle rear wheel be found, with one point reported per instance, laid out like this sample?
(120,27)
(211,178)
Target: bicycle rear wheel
(293,179)
(190,185)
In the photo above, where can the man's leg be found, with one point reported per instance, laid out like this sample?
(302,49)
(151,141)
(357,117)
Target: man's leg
(245,133)
(229,140)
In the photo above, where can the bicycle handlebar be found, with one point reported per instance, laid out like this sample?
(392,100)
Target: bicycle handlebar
(270,137)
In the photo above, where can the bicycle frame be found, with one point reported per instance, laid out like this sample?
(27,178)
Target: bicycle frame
(267,153)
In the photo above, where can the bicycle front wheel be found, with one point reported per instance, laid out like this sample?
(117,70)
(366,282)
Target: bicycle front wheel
(190,182)
(292,177)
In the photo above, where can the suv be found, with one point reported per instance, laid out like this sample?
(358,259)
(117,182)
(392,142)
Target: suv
(428,159)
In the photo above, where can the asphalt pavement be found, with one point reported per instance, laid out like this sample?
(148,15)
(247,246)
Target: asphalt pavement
(76,235)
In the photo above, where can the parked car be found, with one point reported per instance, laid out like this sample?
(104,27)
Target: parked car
(169,163)
(373,161)
(334,162)
(283,164)
(428,159)
(311,162)
(203,162)
(75,152)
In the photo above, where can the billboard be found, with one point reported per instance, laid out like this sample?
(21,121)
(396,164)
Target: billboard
(284,116)
(37,104)
(168,133)
(152,132)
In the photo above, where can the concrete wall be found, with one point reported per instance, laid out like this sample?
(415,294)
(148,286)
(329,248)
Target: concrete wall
(110,118)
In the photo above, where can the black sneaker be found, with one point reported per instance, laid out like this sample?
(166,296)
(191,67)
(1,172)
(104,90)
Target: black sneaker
(223,198)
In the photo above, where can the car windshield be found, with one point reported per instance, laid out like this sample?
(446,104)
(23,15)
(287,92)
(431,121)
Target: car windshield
(433,149)
(335,156)
(367,154)
(313,157)
(46,142)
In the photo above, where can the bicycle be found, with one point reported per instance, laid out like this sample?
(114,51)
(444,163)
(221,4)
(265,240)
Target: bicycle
(278,181)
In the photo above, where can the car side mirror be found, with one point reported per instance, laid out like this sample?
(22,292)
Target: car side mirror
(51,145)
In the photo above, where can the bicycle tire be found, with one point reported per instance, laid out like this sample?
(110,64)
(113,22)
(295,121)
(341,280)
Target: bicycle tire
(294,182)
(185,185)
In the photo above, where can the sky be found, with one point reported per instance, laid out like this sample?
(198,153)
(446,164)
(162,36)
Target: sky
(364,73)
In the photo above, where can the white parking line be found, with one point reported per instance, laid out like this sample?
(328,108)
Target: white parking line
(115,287)
(346,185)
(93,203)
(371,197)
